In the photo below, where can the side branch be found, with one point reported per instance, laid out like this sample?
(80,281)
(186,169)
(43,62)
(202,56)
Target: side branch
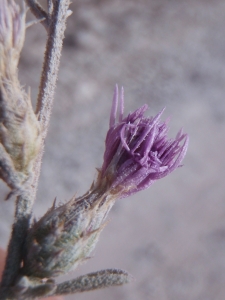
(38,12)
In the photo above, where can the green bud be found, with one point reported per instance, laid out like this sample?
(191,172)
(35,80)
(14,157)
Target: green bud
(65,236)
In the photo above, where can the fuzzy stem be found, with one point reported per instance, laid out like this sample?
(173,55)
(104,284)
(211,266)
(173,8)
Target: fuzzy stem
(49,75)
(19,230)
(51,62)
(38,12)
(26,198)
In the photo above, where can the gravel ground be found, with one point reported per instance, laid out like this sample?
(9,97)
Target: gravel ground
(166,53)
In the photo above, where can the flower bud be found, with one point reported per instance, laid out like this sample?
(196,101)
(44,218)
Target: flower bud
(65,236)
(19,127)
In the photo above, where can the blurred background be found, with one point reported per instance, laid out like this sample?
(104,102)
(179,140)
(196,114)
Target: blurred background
(166,53)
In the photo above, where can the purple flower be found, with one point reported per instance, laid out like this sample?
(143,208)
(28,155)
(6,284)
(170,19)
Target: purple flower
(137,150)
(137,153)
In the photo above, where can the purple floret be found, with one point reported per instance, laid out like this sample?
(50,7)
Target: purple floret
(137,149)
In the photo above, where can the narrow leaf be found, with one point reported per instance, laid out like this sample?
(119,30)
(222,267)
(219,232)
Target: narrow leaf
(93,281)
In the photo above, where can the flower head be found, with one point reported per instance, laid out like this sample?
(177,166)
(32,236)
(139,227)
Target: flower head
(137,149)
(137,153)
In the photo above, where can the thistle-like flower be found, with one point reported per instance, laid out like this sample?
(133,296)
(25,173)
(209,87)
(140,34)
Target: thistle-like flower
(137,150)
(137,153)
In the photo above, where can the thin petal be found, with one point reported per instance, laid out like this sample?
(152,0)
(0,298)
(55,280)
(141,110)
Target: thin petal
(112,120)
(121,105)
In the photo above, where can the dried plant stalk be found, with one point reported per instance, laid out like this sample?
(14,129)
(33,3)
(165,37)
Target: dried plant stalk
(27,192)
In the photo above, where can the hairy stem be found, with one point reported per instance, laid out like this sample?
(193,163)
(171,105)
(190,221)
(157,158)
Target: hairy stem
(19,230)
(38,12)
(25,200)
(51,62)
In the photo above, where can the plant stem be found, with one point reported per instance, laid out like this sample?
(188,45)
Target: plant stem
(51,62)
(38,12)
(15,248)
(26,198)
